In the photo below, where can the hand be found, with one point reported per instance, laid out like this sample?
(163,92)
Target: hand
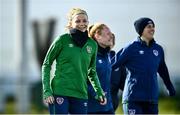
(103,100)
(49,100)
(171,92)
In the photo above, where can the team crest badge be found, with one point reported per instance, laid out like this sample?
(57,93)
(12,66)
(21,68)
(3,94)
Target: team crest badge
(155,52)
(59,100)
(132,111)
(89,49)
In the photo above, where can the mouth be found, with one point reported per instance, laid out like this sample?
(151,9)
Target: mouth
(151,32)
(82,28)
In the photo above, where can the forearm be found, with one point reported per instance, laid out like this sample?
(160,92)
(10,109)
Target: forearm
(163,72)
(93,78)
(46,81)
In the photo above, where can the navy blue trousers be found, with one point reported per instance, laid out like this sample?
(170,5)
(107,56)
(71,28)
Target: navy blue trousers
(140,108)
(68,105)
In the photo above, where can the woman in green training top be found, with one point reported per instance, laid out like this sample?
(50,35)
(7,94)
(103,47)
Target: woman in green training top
(75,55)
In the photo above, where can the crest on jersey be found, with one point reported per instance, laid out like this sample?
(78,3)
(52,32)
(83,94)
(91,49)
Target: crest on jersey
(89,49)
(59,100)
(155,52)
(132,111)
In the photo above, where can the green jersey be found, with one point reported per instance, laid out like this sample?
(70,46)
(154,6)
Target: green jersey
(74,66)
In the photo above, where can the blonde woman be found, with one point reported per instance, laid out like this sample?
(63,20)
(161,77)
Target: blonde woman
(75,55)
(103,36)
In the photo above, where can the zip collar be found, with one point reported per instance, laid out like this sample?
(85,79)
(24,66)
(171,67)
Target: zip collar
(144,43)
(103,51)
(78,37)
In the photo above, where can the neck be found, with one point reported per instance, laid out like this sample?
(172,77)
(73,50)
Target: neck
(146,40)
(103,46)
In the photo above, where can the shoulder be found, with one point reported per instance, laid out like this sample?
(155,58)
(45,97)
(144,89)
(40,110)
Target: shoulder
(130,46)
(158,46)
(62,38)
(92,42)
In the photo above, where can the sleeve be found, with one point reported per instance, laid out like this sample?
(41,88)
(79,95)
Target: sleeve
(118,74)
(51,55)
(123,74)
(93,78)
(122,57)
(164,74)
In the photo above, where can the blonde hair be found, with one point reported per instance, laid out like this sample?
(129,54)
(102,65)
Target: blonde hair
(96,28)
(72,13)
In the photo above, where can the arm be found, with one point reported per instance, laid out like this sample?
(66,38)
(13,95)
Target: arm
(119,70)
(163,72)
(51,55)
(93,78)
(123,74)
(122,57)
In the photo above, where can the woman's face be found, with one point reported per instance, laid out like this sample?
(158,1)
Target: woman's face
(105,38)
(148,32)
(80,22)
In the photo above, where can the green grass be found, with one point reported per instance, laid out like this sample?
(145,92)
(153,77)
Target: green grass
(166,106)
(11,106)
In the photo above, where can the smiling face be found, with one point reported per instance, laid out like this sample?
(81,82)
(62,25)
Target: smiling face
(80,22)
(148,32)
(105,37)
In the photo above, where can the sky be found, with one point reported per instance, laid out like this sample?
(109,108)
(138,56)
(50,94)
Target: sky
(119,15)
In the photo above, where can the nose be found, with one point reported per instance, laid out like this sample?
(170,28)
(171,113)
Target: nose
(82,23)
(152,28)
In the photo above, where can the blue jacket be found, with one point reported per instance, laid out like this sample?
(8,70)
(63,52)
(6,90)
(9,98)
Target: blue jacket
(103,68)
(142,63)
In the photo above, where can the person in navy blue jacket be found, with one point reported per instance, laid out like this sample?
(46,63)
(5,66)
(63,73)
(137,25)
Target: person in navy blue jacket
(102,35)
(143,59)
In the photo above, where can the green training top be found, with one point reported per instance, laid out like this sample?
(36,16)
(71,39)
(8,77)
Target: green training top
(74,66)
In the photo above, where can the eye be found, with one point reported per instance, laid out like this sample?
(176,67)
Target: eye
(77,21)
(150,26)
(85,21)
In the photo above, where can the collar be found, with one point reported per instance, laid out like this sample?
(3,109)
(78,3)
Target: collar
(79,38)
(103,51)
(144,43)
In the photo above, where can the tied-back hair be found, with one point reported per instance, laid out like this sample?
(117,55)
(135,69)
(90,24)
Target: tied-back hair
(96,28)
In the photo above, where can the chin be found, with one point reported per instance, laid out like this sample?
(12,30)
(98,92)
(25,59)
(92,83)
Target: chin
(82,30)
(150,38)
